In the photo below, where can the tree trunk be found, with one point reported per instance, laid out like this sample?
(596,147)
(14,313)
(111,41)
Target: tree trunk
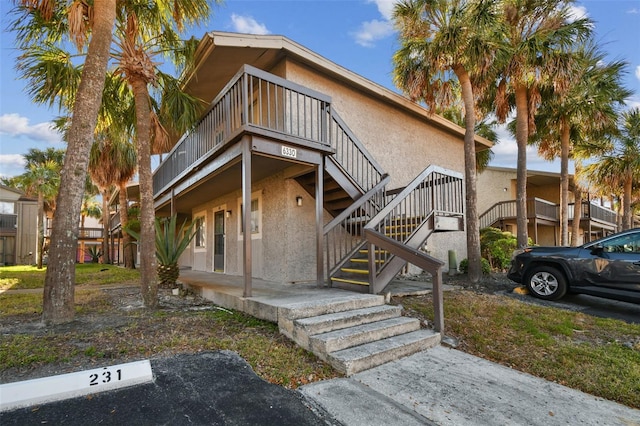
(577,206)
(106,255)
(470,177)
(58,296)
(147,244)
(522,137)
(564,182)
(127,247)
(627,219)
(40,231)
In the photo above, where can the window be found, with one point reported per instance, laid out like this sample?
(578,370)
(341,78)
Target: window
(623,244)
(199,230)
(256,216)
(7,207)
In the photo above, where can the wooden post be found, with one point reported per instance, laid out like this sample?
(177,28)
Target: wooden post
(438,302)
(319,225)
(246,214)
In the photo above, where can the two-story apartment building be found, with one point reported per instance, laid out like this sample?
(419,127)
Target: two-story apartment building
(345,180)
(18,225)
(497,206)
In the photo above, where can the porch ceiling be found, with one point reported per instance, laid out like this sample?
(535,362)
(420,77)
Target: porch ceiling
(218,64)
(223,182)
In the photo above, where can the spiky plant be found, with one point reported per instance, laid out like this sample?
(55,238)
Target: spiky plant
(169,246)
(171,242)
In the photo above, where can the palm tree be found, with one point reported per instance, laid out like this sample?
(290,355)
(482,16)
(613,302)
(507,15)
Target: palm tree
(41,180)
(142,34)
(59,288)
(577,121)
(443,42)
(537,36)
(621,167)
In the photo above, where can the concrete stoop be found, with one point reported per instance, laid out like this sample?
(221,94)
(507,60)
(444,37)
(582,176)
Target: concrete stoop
(356,333)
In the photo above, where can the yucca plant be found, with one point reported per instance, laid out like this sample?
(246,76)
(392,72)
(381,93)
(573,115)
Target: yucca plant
(170,244)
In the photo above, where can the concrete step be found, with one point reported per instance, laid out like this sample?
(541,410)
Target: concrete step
(337,340)
(359,358)
(338,320)
(312,308)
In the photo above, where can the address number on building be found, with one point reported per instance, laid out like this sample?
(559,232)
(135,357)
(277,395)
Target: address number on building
(289,152)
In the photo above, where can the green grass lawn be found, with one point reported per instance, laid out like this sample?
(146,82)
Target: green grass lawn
(25,277)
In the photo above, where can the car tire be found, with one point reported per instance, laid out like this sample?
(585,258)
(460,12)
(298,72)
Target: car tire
(546,282)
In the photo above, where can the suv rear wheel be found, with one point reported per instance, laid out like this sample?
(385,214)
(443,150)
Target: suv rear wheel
(546,282)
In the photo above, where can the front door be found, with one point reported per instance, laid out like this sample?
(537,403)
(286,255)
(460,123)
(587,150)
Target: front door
(218,241)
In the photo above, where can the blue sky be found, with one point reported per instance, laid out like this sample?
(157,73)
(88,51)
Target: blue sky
(355,34)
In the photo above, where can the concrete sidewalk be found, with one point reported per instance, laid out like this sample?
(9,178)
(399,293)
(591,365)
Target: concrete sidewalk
(448,387)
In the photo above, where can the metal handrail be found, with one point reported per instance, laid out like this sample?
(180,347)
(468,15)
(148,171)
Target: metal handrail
(353,157)
(435,191)
(344,234)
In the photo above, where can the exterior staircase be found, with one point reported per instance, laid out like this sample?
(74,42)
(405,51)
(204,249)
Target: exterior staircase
(354,335)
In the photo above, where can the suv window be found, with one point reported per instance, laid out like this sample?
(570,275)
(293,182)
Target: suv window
(623,244)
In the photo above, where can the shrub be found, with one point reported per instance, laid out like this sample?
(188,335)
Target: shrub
(497,247)
(486,266)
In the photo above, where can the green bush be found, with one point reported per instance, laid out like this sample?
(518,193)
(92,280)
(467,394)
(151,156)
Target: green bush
(486,266)
(497,247)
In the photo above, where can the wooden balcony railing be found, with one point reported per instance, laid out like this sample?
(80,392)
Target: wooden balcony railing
(254,101)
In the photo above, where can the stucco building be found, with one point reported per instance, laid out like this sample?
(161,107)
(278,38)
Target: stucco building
(345,179)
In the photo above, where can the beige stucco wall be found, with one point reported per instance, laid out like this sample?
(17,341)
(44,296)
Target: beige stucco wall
(286,248)
(402,143)
(494,186)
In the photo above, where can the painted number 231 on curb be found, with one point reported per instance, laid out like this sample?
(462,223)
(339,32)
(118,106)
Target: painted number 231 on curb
(105,376)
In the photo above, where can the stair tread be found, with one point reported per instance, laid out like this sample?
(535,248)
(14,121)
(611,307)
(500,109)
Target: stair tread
(355,313)
(350,281)
(355,271)
(384,345)
(361,329)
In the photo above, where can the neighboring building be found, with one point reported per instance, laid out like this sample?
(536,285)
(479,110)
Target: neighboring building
(322,156)
(497,206)
(18,225)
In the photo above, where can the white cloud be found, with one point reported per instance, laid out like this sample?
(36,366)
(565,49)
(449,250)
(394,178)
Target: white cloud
(577,12)
(372,31)
(248,25)
(17,126)
(638,72)
(11,164)
(376,29)
(385,7)
(633,11)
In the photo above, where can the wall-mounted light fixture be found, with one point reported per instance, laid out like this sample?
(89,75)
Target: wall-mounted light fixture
(299,201)
(228,214)
(504,189)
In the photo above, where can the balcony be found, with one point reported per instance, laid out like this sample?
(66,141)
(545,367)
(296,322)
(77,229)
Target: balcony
(8,224)
(253,101)
(545,210)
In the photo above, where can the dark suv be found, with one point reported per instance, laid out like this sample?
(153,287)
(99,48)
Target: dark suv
(608,267)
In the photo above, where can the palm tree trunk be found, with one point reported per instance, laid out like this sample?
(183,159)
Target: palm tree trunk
(577,206)
(106,256)
(58,297)
(470,177)
(564,182)
(148,278)
(522,137)
(40,230)
(626,202)
(127,250)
